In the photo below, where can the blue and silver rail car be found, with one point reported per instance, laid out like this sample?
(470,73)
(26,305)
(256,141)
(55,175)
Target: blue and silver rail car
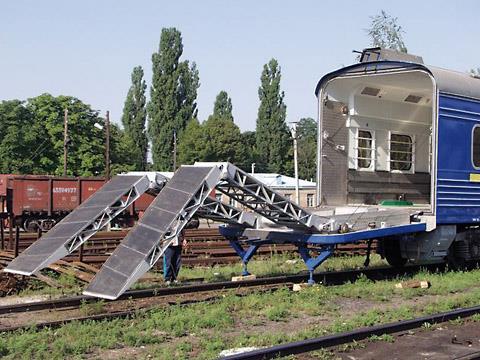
(398,161)
(411,132)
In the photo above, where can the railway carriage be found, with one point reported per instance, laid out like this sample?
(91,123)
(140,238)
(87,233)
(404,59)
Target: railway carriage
(396,132)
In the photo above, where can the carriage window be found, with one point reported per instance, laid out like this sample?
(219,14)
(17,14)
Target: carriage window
(401,152)
(364,149)
(476,147)
(310,200)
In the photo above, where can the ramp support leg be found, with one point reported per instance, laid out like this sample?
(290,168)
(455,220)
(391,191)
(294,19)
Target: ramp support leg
(245,255)
(313,262)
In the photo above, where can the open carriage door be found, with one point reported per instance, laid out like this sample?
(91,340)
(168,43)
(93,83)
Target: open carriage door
(334,163)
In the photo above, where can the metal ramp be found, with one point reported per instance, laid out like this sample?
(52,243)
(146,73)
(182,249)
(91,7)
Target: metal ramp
(248,191)
(81,224)
(216,210)
(163,221)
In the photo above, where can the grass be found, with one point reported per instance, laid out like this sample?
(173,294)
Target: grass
(88,309)
(277,264)
(258,319)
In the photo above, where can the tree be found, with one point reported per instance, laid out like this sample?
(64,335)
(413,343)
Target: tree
(223,141)
(16,149)
(172,97)
(272,135)
(32,138)
(222,109)
(307,148)
(385,32)
(250,150)
(121,145)
(475,72)
(86,147)
(191,145)
(217,139)
(133,120)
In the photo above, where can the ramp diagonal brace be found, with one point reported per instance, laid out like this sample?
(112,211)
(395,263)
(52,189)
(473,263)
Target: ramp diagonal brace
(255,195)
(216,210)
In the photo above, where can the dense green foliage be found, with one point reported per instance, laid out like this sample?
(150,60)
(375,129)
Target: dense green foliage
(272,136)
(172,97)
(217,139)
(222,109)
(385,32)
(192,143)
(134,118)
(32,138)
(307,148)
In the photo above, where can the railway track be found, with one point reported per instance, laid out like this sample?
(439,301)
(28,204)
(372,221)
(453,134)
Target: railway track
(210,289)
(304,346)
(206,247)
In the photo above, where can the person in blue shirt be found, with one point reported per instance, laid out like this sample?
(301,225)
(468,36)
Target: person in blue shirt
(172,258)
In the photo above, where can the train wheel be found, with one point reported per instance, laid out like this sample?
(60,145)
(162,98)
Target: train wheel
(31,225)
(391,248)
(454,261)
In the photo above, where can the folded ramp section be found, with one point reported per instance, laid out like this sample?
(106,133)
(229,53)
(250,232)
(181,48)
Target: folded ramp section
(81,224)
(216,210)
(161,224)
(247,190)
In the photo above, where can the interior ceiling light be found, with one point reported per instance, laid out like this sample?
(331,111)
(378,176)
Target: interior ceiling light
(371,91)
(413,99)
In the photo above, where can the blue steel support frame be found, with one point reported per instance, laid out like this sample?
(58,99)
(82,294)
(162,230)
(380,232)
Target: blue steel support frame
(313,262)
(245,255)
(324,243)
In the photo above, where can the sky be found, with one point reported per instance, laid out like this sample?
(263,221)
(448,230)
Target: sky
(88,48)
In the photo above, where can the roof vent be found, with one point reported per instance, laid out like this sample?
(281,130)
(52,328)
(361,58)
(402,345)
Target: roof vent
(382,54)
(371,91)
(413,99)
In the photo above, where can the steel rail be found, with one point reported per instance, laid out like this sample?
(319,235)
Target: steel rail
(326,278)
(308,345)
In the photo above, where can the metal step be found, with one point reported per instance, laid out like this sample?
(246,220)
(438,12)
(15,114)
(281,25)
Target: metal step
(81,224)
(161,224)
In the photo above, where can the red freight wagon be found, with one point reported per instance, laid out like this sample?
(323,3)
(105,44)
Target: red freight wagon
(3,195)
(41,201)
(3,185)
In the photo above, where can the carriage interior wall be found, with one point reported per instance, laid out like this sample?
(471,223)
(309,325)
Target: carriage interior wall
(377,139)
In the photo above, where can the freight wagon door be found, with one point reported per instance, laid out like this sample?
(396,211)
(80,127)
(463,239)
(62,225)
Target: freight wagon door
(334,154)
(31,195)
(64,194)
(89,186)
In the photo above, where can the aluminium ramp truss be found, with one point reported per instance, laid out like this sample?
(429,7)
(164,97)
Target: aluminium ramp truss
(216,210)
(248,191)
(81,224)
(160,225)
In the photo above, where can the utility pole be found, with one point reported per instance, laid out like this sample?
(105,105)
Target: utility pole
(295,160)
(107,146)
(65,141)
(174,150)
